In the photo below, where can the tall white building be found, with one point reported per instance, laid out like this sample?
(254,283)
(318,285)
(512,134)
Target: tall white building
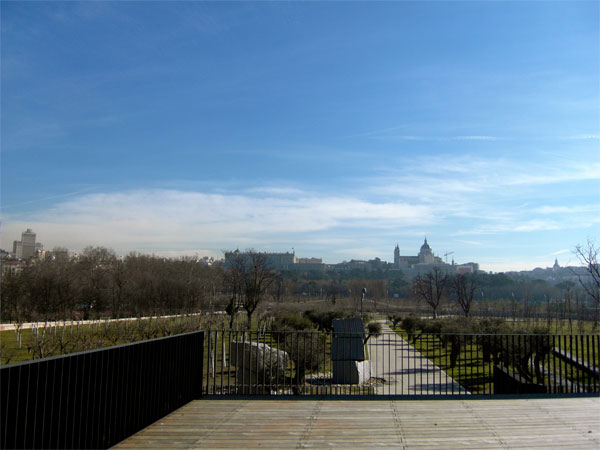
(26,247)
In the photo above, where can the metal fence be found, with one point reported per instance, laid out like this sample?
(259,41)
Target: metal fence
(97,398)
(315,363)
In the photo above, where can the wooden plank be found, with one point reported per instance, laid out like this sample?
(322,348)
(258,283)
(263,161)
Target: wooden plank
(409,424)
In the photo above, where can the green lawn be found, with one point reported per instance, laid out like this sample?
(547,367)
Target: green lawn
(475,372)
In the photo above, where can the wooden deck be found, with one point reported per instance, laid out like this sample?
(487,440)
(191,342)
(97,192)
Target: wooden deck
(565,423)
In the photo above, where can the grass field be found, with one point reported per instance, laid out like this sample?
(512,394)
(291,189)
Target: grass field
(474,370)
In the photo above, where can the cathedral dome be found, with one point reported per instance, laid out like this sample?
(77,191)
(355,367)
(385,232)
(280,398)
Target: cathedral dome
(425,248)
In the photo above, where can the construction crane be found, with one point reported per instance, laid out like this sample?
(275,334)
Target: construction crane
(446,255)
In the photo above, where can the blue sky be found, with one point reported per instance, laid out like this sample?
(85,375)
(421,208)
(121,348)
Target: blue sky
(335,128)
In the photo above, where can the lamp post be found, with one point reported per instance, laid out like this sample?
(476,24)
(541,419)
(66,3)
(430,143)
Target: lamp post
(362,297)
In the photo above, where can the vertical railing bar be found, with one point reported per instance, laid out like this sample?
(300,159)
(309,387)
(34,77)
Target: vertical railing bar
(113,367)
(573,354)
(300,362)
(462,364)
(223,360)
(444,361)
(215,359)
(573,383)
(62,370)
(277,368)
(45,404)
(486,387)
(90,403)
(264,380)
(35,407)
(557,366)
(326,390)
(209,361)
(395,336)
(404,352)
(27,390)
(124,427)
(586,358)
(387,369)
(76,359)
(304,362)
(229,358)
(577,366)
(425,370)
(472,362)
(83,416)
(256,357)
(5,409)
(272,370)
(449,363)
(422,360)
(243,371)
(595,363)
(512,353)
(97,383)
(574,367)
(312,336)
(596,358)
(565,367)
(438,343)
(551,361)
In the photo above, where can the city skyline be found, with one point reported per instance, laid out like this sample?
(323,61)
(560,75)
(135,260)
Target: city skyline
(339,129)
(414,264)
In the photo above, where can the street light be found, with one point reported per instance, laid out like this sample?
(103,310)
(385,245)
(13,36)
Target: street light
(362,297)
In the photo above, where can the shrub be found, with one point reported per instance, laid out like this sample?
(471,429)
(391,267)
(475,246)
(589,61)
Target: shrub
(291,322)
(412,323)
(492,326)
(322,321)
(395,320)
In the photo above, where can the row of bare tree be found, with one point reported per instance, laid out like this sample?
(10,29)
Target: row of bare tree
(437,284)
(461,288)
(98,283)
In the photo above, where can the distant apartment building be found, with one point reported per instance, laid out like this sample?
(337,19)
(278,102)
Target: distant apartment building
(11,266)
(276,261)
(27,247)
(282,261)
(306,264)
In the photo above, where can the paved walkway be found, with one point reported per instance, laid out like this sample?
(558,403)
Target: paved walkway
(566,423)
(404,369)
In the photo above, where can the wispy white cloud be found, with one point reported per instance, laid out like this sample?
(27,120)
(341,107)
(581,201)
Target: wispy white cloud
(579,137)
(170,219)
(407,137)
(567,210)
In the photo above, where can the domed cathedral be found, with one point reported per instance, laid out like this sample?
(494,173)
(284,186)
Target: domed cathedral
(425,261)
(425,254)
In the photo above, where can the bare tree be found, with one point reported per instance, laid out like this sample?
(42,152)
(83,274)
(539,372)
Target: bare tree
(233,281)
(590,282)
(430,288)
(249,278)
(462,288)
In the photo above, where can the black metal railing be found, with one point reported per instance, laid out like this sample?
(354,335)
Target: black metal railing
(97,398)
(315,363)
